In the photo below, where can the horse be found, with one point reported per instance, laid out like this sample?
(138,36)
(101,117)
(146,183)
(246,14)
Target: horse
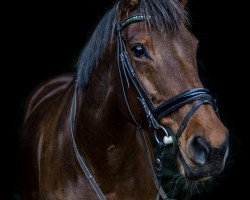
(136,96)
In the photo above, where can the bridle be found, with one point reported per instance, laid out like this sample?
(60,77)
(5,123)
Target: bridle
(163,136)
(154,114)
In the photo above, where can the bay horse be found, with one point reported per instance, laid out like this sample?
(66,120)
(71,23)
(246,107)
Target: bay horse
(102,133)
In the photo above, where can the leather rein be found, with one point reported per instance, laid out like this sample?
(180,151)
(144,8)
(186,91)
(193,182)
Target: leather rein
(163,136)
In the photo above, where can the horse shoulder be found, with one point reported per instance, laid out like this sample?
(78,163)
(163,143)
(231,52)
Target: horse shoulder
(39,134)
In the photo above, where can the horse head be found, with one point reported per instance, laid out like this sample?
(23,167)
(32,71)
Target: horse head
(162,53)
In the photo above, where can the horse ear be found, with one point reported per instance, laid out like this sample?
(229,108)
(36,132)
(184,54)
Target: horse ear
(127,6)
(184,2)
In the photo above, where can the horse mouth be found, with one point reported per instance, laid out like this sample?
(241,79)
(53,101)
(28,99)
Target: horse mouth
(197,172)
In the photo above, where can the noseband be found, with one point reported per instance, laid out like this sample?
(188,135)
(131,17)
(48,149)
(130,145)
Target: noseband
(163,135)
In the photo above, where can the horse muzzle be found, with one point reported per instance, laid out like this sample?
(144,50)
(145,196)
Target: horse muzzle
(201,161)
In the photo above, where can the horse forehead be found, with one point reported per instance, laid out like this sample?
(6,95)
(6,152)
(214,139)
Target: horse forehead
(148,34)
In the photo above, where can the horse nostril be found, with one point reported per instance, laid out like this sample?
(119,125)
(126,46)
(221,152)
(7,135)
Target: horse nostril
(199,150)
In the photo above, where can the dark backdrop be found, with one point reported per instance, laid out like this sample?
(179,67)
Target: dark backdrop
(45,39)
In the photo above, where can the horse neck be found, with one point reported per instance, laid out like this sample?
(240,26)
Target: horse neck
(105,138)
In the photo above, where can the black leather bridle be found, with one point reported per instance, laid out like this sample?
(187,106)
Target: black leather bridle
(154,114)
(163,136)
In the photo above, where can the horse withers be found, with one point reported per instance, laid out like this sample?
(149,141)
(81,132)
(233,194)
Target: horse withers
(102,133)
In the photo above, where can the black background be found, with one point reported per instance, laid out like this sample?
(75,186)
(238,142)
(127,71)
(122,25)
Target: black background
(44,39)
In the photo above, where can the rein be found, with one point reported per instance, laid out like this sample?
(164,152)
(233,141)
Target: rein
(80,159)
(163,136)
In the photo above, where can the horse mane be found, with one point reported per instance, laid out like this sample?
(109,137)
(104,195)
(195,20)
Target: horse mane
(165,15)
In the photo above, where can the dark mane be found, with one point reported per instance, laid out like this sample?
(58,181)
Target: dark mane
(165,15)
(95,47)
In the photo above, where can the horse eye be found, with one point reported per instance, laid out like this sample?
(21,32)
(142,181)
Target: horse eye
(139,51)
